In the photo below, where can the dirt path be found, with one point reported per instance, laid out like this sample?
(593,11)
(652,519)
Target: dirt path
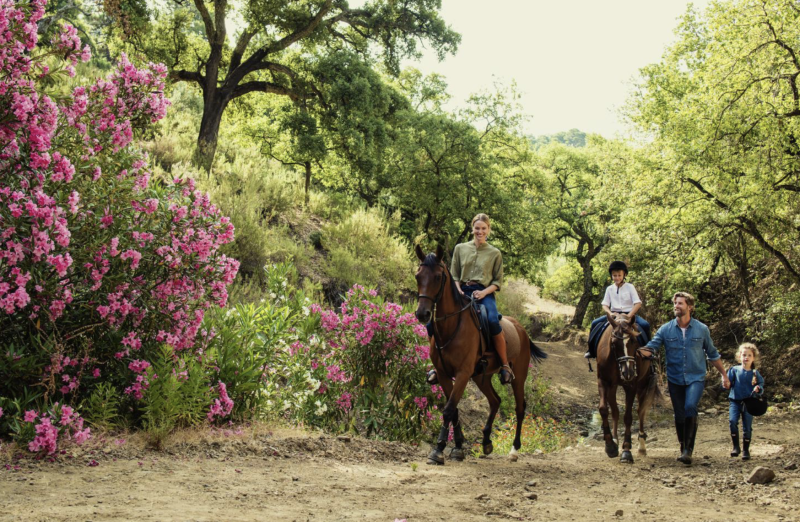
(291,476)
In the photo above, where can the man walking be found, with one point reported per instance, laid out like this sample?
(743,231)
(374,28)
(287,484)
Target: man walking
(688,345)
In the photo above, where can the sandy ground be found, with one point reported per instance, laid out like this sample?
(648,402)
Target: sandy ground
(297,476)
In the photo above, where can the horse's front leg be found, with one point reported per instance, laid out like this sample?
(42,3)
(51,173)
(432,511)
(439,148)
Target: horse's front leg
(612,405)
(484,383)
(627,457)
(612,450)
(453,391)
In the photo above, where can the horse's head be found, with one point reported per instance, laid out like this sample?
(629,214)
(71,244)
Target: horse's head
(624,345)
(431,282)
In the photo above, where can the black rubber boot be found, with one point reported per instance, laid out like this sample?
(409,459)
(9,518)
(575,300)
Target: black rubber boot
(735,438)
(746,449)
(689,433)
(679,429)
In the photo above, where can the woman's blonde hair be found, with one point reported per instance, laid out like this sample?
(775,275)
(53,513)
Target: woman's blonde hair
(482,217)
(756,356)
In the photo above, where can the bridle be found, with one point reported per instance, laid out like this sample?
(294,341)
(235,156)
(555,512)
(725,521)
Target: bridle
(447,277)
(624,359)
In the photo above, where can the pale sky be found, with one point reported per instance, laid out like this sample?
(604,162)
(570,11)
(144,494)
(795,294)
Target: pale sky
(573,60)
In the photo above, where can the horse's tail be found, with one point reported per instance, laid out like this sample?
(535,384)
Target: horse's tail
(652,393)
(537,353)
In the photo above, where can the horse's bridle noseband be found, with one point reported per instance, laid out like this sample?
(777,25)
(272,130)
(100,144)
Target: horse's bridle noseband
(624,359)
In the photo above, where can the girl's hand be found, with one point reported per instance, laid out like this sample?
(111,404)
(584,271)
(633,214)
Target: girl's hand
(757,389)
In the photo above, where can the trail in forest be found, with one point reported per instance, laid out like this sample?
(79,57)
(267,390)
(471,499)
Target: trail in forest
(296,476)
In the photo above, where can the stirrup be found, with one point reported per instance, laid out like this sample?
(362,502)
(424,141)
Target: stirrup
(506,369)
(588,355)
(432,378)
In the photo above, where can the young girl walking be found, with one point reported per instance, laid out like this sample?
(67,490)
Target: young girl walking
(745,382)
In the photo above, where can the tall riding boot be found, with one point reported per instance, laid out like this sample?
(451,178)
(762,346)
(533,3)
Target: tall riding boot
(735,438)
(506,375)
(689,434)
(432,378)
(679,429)
(746,449)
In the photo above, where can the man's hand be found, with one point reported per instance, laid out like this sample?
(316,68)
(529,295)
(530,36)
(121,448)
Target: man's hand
(726,383)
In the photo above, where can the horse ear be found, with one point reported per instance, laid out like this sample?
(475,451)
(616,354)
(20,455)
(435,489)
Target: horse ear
(611,320)
(419,252)
(439,252)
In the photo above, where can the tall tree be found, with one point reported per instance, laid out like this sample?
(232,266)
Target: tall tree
(278,44)
(724,108)
(584,202)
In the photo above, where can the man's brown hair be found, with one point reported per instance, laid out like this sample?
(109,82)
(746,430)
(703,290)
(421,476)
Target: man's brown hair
(689,298)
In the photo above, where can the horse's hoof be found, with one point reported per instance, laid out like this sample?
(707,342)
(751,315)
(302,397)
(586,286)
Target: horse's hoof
(612,450)
(488,448)
(436,458)
(513,456)
(626,458)
(642,452)
(457,454)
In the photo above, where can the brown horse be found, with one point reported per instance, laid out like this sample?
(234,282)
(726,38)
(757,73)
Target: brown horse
(458,352)
(620,362)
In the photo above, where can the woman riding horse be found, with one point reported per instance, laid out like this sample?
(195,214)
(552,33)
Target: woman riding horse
(477,269)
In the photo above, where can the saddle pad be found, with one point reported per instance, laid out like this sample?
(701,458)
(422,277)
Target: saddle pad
(512,338)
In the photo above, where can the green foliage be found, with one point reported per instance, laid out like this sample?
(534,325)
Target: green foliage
(570,138)
(101,408)
(511,301)
(363,250)
(538,396)
(564,285)
(177,396)
(538,433)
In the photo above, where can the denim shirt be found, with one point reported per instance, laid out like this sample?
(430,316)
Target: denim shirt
(742,383)
(686,357)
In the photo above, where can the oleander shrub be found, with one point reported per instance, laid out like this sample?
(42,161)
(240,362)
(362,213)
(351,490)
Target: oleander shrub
(101,265)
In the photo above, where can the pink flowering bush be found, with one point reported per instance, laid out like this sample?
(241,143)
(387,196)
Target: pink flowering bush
(99,263)
(360,367)
(43,432)
(372,368)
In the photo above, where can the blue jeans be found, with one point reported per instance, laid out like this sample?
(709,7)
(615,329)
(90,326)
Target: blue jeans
(736,410)
(491,310)
(685,398)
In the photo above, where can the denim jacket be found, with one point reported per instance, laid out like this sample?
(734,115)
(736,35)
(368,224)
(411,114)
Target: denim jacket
(742,383)
(686,357)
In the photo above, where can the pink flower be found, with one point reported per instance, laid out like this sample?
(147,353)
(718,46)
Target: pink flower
(31,416)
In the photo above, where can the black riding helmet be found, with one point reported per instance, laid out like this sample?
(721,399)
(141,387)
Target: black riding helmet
(617,265)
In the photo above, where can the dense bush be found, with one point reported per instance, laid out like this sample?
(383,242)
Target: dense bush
(99,265)
(359,368)
(362,250)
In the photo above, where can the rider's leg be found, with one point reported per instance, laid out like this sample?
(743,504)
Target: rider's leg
(506,375)
(591,353)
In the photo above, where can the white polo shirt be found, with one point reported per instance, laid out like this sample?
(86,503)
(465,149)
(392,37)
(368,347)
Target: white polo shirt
(621,298)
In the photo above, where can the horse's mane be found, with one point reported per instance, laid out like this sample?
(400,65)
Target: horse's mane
(431,261)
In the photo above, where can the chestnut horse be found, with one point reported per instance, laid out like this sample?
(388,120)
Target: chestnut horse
(458,351)
(621,363)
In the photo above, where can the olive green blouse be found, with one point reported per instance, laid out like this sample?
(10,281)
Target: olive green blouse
(484,264)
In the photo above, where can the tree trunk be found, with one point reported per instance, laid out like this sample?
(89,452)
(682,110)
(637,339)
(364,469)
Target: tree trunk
(588,292)
(308,181)
(209,131)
